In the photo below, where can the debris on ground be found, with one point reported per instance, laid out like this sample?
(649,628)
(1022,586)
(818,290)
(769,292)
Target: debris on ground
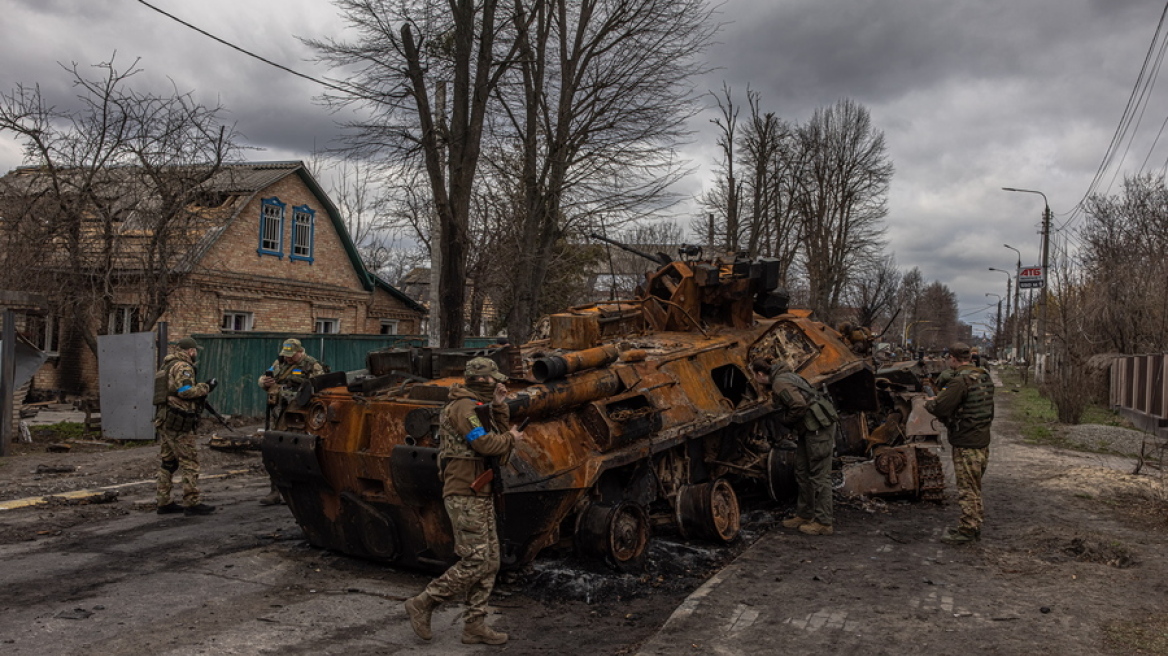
(55,469)
(107,496)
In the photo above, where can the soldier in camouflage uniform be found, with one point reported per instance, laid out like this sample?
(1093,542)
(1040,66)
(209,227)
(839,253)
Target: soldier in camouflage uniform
(282,381)
(966,406)
(812,417)
(464,444)
(176,421)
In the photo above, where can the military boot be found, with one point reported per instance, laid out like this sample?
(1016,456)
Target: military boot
(198,509)
(815,528)
(477,632)
(273,499)
(419,609)
(795,522)
(961,535)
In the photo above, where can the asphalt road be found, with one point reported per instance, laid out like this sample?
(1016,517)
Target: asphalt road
(240,581)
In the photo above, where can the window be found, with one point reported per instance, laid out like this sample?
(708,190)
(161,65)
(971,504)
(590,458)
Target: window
(234,321)
(328,326)
(271,227)
(302,233)
(124,320)
(389,326)
(42,331)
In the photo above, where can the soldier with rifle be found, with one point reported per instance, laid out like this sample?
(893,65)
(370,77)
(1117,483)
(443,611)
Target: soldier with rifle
(466,443)
(179,400)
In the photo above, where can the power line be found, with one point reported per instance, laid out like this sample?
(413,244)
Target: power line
(365,93)
(1141,84)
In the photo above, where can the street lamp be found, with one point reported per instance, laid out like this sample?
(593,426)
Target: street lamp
(1017,293)
(1046,217)
(998,322)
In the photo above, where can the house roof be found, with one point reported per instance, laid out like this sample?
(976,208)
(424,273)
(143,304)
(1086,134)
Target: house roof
(245,180)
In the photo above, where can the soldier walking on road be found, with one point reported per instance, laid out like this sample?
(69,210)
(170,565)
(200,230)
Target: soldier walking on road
(812,417)
(282,381)
(465,442)
(179,401)
(966,406)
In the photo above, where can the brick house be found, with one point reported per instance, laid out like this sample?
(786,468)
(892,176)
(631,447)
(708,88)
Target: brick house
(272,254)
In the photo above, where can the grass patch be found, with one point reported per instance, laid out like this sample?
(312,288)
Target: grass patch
(65,430)
(1149,636)
(1038,418)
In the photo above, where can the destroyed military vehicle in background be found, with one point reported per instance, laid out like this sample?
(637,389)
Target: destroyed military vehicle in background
(642,412)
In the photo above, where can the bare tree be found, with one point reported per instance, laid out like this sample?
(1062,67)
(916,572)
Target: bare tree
(873,292)
(426,71)
(841,196)
(595,105)
(727,125)
(769,146)
(114,201)
(938,325)
(1125,234)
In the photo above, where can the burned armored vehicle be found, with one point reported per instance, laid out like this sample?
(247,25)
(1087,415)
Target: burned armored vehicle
(640,412)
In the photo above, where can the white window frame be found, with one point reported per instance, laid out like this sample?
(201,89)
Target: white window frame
(327,326)
(248,321)
(271,227)
(303,233)
(392,325)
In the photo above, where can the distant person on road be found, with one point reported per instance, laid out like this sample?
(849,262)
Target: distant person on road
(465,442)
(282,381)
(812,417)
(176,419)
(965,405)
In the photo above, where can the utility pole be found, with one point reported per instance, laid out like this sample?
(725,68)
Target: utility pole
(1017,293)
(1044,296)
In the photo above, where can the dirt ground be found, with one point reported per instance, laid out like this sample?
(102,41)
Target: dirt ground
(1074,551)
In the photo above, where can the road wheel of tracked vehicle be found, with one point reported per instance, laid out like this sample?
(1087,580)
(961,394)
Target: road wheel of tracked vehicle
(617,533)
(708,511)
(781,474)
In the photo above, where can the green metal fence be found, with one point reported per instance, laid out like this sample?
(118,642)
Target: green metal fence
(238,359)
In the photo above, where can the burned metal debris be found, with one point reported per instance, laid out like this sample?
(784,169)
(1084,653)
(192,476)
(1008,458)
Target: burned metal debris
(643,414)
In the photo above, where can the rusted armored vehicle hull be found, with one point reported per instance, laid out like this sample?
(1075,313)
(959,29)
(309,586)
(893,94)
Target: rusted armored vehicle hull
(639,412)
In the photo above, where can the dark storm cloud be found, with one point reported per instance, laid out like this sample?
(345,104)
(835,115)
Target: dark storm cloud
(273,109)
(971,96)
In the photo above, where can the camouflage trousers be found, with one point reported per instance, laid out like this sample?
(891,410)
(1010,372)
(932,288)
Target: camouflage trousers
(178,453)
(968,467)
(476,543)
(813,475)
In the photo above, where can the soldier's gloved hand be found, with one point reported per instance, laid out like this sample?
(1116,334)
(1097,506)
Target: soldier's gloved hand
(212,384)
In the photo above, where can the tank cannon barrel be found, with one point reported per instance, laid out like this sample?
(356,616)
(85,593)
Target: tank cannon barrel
(558,366)
(547,398)
(661,258)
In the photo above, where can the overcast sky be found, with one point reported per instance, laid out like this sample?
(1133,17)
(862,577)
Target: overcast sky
(971,96)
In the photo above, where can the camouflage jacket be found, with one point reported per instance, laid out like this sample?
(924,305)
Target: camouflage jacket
(183,392)
(801,408)
(464,440)
(965,405)
(289,376)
